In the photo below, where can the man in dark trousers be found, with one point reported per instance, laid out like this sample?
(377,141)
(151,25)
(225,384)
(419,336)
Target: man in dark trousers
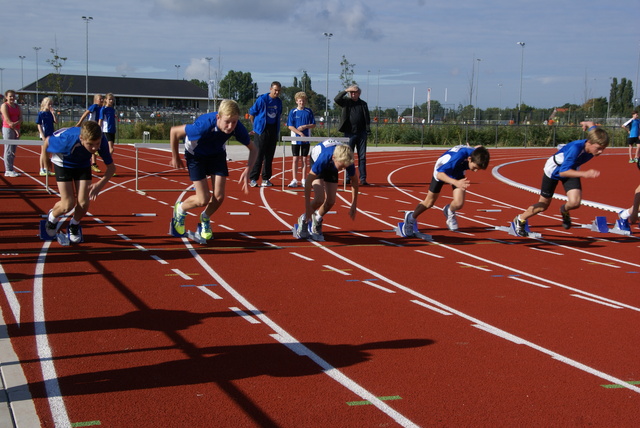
(354,123)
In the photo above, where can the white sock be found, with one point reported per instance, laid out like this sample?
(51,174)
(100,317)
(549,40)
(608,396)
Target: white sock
(180,210)
(52,219)
(318,216)
(74,221)
(624,214)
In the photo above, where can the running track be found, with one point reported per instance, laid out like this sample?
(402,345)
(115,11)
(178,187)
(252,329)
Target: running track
(477,328)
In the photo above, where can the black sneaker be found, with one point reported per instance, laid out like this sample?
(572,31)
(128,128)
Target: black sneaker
(51,228)
(75,233)
(520,226)
(566,218)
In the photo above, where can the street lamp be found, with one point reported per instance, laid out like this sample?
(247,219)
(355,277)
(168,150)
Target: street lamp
(475,110)
(177,66)
(22,57)
(37,78)
(500,102)
(87,19)
(326,107)
(209,58)
(1,81)
(521,70)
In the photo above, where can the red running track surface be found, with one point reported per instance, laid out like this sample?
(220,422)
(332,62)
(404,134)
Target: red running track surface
(134,327)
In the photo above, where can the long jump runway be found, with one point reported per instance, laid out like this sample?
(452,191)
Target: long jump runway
(134,327)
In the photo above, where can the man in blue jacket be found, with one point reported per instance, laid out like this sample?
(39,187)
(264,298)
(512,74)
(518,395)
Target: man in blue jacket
(265,117)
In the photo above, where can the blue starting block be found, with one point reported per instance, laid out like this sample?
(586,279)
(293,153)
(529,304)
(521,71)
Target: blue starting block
(511,230)
(620,227)
(400,231)
(62,238)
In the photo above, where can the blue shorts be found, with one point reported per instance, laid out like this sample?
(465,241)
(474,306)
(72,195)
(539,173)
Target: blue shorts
(201,166)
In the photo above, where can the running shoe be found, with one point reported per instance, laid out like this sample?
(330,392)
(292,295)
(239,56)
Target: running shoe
(95,168)
(452,222)
(178,220)
(294,183)
(11,174)
(253,183)
(267,183)
(407,229)
(520,226)
(43,172)
(566,218)
(75,233)
(205,227)
(316,226)
(303,227)
(51,228)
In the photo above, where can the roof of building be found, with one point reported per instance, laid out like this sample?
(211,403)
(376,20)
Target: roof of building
(119,86)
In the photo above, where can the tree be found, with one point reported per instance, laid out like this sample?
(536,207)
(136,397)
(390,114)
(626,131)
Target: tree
(238,86)
(201,83)
(346,73)
(55,81)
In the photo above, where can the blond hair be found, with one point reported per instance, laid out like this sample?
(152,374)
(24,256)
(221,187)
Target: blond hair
(300,95)
(598,136)
(90,131)
(343,154)
(229,108)
(44,105)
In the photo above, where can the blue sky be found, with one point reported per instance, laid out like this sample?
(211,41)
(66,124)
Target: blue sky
(572,49)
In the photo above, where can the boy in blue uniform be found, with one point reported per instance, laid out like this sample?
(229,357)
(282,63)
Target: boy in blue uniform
(205,144)
(92,113)
(632,126)
(300,122)
(72,149)
(564,166)
(449,169)
(328,159)
(107,120)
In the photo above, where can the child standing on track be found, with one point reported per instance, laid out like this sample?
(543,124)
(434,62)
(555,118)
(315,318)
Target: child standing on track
(300,122)
(205,153)
(564,166)
(449,169)
(92,113)
(107,120)
(327,160)
(72,149)
(46,121)
(632,126)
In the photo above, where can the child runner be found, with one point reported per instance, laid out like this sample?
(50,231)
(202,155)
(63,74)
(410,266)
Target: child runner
(449,169)
(300,122)
(11,120)
(92,113)
(205,153)
(45,121)
(72,149)
(107,120)
(327,160)
(631,214)
(632,126)
(564,166)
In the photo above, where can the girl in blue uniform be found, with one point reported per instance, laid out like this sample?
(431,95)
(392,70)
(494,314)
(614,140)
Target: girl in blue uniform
(46,121)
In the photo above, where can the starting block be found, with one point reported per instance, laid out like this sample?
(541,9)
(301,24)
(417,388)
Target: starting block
(61,237)
(400,228)
(621,227)
(511,230)
(196,236)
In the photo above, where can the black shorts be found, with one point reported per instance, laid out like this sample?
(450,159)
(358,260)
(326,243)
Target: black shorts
(548,187)
(72,174)
(300,149)
(633,140)
(329,175)
(201,166)
(436,185)
(111,136)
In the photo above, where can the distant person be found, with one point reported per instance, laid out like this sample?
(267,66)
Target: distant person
(328,159)
(563,167)
(46,125)
(107,120)
(300,122)
(449,169)
(205,154)
(265,117)
(72,149)
(92,113)
(355,124)
(633,128)
(11,121)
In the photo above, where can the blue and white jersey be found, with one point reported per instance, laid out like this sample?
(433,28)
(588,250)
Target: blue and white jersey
(570,156)
(298,118)
(266,111)
(205,139)
(68,151)
(45,119)
(108,118)
(454,162)
(94,112)
(322,156)
(634,127)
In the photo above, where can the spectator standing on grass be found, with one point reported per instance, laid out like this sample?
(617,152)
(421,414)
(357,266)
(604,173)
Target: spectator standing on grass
(355,124)
(11,120)
(205,154)
(265,117)
(72,149)
(564,166)
(300,122)
(92,113)
(46,125)
(632,126)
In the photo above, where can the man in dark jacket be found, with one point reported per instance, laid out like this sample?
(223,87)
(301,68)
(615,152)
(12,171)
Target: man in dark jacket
(354,123)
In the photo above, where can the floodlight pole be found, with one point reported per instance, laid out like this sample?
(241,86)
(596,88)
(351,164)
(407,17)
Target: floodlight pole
(521,70)
(37,78)
(87,19)
(326,107)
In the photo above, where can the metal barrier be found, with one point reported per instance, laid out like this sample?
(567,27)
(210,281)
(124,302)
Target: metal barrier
(164,147)
(30,143)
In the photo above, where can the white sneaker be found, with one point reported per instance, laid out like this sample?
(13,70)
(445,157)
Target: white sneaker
(11,174)
(452,222)
(304,182)
(294,183)
(407,229)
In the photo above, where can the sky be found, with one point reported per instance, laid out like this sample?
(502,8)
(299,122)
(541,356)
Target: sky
(400,49)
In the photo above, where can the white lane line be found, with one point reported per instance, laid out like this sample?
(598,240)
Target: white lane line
(159,260)
(379,287)
(528,282)
(600,302)
(547,251)
(301,256)
(432,308)
(208,292)
(14,304)
(336,270)
(245,315)
(182,274)
(474,267)
(430,254)
(600,263)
